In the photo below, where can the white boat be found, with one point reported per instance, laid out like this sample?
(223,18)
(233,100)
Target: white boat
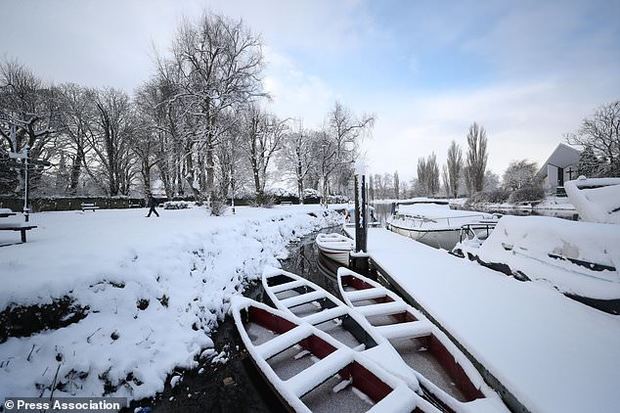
(312,372)
(312,304)
(440,366)
(335,246)
(595,199)
(434,224)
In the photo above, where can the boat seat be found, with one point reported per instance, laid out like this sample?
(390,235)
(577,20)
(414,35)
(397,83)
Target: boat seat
(411,329)
(383,308)
(327,314)
(367,294)
(319,372)
(302,299)
(287,286)
(283,341)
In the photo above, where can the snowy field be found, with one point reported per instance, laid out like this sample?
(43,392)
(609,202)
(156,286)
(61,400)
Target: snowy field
(554,354)
(153,289)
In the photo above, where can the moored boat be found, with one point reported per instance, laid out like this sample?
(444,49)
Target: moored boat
(335,246)
(434,224)
(441,368)
(312,372)
(449,389)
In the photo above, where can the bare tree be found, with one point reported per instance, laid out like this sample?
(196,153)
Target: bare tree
(296,155)
(601,133)
(29,112)
(452,171)
(396,186)
(476,157)
(263,136)
(219,63)
(78,118)
(337,145)
(112,142)
(428,175)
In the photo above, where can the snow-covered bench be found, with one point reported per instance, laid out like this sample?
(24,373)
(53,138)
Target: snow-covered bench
(17,226)
(89,207)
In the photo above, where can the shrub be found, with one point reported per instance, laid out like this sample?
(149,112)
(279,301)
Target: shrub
(496,196)
(218,207)
(527,194)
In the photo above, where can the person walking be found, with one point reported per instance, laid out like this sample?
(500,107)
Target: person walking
(152,203)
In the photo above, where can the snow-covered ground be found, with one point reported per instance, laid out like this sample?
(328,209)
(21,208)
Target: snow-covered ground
(154,287)
(552,353)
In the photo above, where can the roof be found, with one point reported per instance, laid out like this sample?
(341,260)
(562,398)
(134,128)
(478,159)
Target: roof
(562,156)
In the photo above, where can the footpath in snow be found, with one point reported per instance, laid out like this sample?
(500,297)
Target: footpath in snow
(152,289)
(552,353)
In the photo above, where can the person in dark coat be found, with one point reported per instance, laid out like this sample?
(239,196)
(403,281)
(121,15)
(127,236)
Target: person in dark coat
(151,203)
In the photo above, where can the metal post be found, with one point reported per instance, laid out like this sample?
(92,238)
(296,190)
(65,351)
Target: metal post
(359,261)
(26,152)
(232,198)
(364,213)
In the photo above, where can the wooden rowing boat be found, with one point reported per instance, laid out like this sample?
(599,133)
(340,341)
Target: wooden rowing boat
(441,368)
(312,372)
(335,246)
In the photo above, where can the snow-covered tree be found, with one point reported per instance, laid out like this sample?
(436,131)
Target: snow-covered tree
(588,165)
(519,174)
(601,133)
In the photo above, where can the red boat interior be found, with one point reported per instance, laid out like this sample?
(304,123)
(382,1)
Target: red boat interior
(425,354)
(316,399)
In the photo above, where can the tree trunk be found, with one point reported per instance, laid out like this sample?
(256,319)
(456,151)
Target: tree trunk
(76,168)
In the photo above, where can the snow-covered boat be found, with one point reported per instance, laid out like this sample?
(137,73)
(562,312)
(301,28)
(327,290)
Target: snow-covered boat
(335,246)
(579,259)
(434,224)
(312,304)
(595,199)
(439,365)
(312,372)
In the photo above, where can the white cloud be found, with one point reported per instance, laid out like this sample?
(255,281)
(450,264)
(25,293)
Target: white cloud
(523,120)
(295,93)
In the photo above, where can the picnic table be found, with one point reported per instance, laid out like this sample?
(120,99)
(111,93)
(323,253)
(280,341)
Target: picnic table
(22,227)
(5,212)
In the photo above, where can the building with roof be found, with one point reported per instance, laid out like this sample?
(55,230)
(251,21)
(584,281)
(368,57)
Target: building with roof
(561,166)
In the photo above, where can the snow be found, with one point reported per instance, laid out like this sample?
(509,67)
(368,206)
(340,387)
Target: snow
(552,353)
(186,265)
(596,204)
(524,243)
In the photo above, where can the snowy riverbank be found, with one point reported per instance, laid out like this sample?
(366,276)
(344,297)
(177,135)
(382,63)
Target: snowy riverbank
(152,290)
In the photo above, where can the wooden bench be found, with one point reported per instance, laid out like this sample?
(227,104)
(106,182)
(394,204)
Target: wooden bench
(286,203)
(89,207)
(15,226)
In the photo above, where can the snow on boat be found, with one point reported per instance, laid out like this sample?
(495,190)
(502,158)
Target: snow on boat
(579,259)
(312,372)
(335,246)
(441,368)
(595,199)
(434,224)
(312,304)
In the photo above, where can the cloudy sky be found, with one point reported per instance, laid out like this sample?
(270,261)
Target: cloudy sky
(528,71)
